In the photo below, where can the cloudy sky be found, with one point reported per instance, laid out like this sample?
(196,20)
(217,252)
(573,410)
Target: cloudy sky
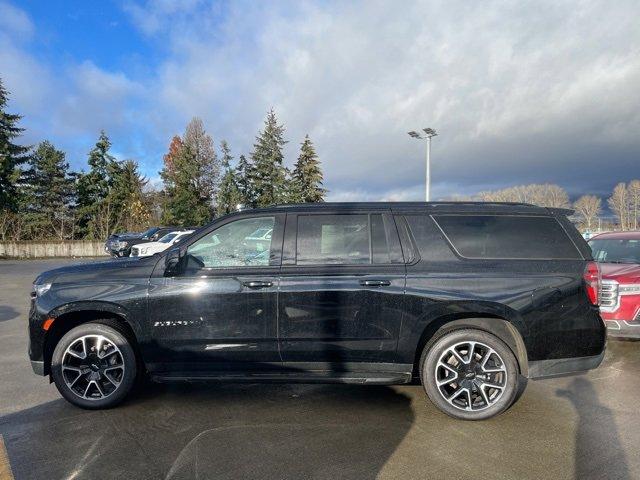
(519,92)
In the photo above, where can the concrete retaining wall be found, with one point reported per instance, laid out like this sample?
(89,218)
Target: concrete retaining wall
(41,249)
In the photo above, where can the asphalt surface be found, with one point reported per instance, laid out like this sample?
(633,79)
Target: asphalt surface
(581,427)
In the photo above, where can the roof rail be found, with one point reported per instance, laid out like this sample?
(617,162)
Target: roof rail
(349,204)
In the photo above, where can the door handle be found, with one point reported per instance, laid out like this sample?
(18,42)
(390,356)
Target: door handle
(257,284)
(375,283)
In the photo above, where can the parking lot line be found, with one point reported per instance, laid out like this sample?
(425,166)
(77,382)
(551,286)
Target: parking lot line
(5,466)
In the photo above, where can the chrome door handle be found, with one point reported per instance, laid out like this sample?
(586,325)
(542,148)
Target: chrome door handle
(257,284)
(375,283)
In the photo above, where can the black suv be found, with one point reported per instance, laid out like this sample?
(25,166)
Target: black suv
(119,245)
(469,299)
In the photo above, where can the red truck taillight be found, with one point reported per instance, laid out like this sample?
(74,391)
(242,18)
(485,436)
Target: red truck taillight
(592,280)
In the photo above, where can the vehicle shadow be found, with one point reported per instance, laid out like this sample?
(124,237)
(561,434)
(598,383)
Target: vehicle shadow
(7,312)
(217,431)
(598,450)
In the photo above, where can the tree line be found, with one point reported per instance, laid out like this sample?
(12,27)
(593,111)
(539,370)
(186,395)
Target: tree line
(624,203)
(41,197)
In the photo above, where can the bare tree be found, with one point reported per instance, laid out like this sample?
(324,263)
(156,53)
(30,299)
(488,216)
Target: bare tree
(619,204)
(633,190)
(546,195)
(588,207)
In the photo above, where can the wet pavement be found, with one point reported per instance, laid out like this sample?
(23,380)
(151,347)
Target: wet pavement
(581,427)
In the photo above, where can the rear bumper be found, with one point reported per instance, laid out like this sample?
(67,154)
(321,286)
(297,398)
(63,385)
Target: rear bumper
(563,366)
(623,328)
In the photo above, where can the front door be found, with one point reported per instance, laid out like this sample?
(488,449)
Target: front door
(341,290)
(220,312)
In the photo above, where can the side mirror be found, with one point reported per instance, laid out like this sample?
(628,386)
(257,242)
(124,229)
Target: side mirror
(172,262)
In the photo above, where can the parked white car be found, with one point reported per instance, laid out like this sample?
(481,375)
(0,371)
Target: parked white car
(149,248)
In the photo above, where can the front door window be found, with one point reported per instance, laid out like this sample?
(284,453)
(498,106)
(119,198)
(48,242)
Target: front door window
(243,243)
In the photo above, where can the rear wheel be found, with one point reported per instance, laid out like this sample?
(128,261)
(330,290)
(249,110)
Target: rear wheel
(94,366)
(470,374)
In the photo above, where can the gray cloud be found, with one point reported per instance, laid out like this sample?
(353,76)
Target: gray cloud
(523,92)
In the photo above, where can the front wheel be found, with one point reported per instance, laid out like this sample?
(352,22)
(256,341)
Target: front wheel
(470,374)
(94,366)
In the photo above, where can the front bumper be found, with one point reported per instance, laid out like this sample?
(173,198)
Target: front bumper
(623,328)
(563,366)
(118,253)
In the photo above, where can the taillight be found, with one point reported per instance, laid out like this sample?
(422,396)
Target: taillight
(592,280)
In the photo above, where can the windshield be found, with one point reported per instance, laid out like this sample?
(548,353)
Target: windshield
(150,232)
(613,250)
(168,237)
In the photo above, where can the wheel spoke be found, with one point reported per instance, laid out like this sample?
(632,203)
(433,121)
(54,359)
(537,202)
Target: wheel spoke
(97,383)
(472,346)
(75,380)
(86,390)
(492,385)
(457,355)
(486,357)
(113,381)
(484,395)
(73,369)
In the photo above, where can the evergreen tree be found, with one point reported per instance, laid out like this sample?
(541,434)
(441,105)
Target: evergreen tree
(127,197)
(11,154)
(244,172)
(48,193)
(229,195)
(93,190)
(268,174)
(306,179)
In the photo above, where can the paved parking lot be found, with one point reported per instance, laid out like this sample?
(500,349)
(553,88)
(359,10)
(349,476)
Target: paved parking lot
(579,427)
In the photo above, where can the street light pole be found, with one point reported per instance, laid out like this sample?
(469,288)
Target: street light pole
(428,134)
(428,176)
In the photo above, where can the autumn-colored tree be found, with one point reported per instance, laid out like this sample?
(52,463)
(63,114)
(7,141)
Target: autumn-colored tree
(191,178)
(170,157)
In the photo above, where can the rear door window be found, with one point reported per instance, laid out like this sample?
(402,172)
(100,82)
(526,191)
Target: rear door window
(333,240)
(347,239)
(507,237)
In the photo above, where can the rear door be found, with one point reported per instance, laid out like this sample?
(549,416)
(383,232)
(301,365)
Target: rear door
(341,288)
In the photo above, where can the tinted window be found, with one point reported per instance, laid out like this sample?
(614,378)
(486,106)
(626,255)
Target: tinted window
(333,240)
(429,240)
(234,245)
(504,237)
(385,244)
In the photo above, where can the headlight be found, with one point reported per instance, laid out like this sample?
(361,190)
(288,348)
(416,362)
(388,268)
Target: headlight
(41,289)
(121,244)
(144,250)
(630,289)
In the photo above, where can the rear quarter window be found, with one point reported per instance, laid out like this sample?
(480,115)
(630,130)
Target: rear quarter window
(507,237)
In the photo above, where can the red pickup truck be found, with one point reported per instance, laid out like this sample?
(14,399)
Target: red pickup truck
(618,254)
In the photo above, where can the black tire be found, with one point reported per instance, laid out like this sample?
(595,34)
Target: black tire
(127,377)
(503,398)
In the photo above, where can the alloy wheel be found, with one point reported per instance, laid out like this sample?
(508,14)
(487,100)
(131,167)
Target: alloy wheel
(93,367)
(471,376)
